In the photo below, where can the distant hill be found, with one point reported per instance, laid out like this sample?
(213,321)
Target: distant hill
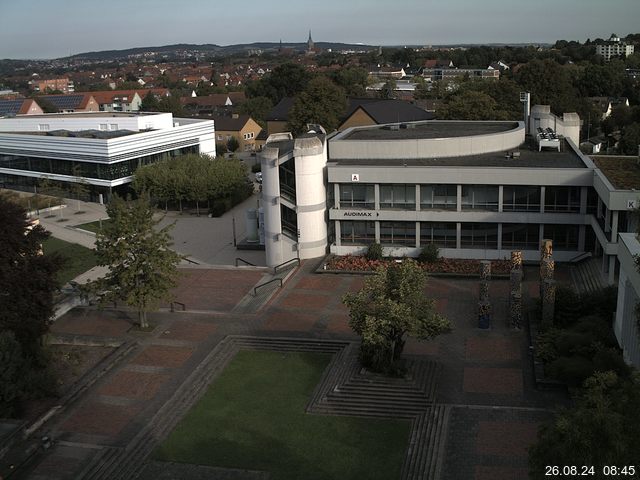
(211,49)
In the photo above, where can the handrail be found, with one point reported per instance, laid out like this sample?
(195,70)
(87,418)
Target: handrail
(244,261)
(275,269)
(178,303)
(255,289)
(580,257)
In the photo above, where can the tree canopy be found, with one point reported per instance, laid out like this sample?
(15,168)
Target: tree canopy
(322,102)
(142,265)
(390,306)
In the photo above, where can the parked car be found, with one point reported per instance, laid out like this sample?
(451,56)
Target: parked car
(259,177)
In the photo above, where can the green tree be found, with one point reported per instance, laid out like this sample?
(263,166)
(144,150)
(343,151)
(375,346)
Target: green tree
(549,84)
(353,80)
(233,144)
(257,108)
(390,306)
(630,140)
(388,90)
(142,266)
(150,103)
(469,105)
(322,102)
(171,104)
(79,187)
(286,80)
(603,428)
(27,278)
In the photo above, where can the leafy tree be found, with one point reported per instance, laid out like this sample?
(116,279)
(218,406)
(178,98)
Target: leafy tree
(142,266)
(233,144)
(549,84)
(27,278)
(388,90)
(353,80)
(603,428)
(286,80)
(150,103)
(630,140)
(257,108)
(390,306)
(322,102)
(171,104)
(46,105)
(470,105)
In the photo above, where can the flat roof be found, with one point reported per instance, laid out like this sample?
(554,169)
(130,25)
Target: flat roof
(101,134)
(622,171)
(85,115)
(429,130)
(529,158)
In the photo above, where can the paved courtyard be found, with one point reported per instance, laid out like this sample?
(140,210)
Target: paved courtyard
(486,375)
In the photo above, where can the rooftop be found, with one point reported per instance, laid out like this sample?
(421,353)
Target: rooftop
(529,158)
(430,130)
(622,172)
(101,134)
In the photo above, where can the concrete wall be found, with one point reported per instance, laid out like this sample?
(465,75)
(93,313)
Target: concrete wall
(86,121)
(625,325)
(567,126)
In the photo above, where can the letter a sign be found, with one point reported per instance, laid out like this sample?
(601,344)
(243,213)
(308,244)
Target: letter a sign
(355,177)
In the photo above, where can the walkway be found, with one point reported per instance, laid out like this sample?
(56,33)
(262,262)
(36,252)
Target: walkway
(492,409)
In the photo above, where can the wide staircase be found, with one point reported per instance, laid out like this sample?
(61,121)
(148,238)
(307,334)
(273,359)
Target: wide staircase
(587,276)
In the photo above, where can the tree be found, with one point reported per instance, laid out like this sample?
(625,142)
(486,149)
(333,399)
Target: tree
(257,108)
(233,144)
(603,428)
(322,102)
(388,90)
(27,278)
(79,187)
(469,105)
(353,80)
(142,266)
(549,84)
(150,103)
(390,306)
(630,140)
(286,80)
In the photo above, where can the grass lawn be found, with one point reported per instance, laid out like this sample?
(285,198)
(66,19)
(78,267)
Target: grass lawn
(252,417)
(92,226)
(79,258)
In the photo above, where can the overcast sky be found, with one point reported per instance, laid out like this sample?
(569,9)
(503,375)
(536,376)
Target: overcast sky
(51,29)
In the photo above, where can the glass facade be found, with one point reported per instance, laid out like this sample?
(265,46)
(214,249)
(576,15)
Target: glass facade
(479,235)
(398,233)
(562,199)
(521,236)
(398,196)
(357,196)
(441,234)
(520,199)
(565,237)
(357,233)
(289,221)
(438,197)
(287,172)
(96,170)
(480,197)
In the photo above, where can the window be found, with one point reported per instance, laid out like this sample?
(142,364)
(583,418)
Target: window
(479,235)
(565,237)
(438,197)
(441,234)
(520,199)
(398,233)
(398,196)
(357,233)
(113,126)
(521,236)
(103,126)
(289,221)
(43,127)
(480,197)
(219,137)
(357,196)
(287,172)
(562,199)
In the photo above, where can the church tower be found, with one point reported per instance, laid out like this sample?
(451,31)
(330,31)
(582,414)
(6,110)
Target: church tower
(310,45)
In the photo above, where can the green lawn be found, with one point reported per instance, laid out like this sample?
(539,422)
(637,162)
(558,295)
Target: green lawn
(79,258)
(252,417)
(92,226)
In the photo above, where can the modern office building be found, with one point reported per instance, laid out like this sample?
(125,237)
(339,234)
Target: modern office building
(99,149)
(475,189)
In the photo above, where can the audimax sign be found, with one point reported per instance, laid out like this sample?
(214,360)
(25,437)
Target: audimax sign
(358,214)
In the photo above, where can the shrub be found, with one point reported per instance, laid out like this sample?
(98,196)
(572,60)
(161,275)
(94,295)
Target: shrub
(374,252)
(572,370)
(430,254)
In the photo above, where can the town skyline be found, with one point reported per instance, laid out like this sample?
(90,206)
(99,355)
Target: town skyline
(56,31)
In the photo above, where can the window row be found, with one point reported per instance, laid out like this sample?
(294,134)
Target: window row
(103,171)
(473,197)
(472,235)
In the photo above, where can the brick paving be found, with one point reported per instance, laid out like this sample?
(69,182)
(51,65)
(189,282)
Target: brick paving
(480,368)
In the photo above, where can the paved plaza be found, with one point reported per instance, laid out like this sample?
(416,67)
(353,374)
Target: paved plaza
(486,380)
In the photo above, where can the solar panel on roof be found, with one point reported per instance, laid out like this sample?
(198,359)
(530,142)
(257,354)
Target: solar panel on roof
(10,106)
(66,102)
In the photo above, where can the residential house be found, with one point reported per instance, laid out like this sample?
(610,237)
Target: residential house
(62,84)
(19,106)
(374,111)
(242,127)
(118,100)
(75,102)
(212,104)
(606,104)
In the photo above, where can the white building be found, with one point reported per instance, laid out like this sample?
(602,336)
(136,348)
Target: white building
(626,321)
(103,148)
(614,47)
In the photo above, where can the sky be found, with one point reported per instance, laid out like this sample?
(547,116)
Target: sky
(42,29)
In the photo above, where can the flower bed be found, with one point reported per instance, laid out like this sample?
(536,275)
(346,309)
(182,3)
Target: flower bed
(458,266)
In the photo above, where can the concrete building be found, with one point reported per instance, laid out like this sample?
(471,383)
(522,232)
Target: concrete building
(99,149)
(63,85)
(614,47)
